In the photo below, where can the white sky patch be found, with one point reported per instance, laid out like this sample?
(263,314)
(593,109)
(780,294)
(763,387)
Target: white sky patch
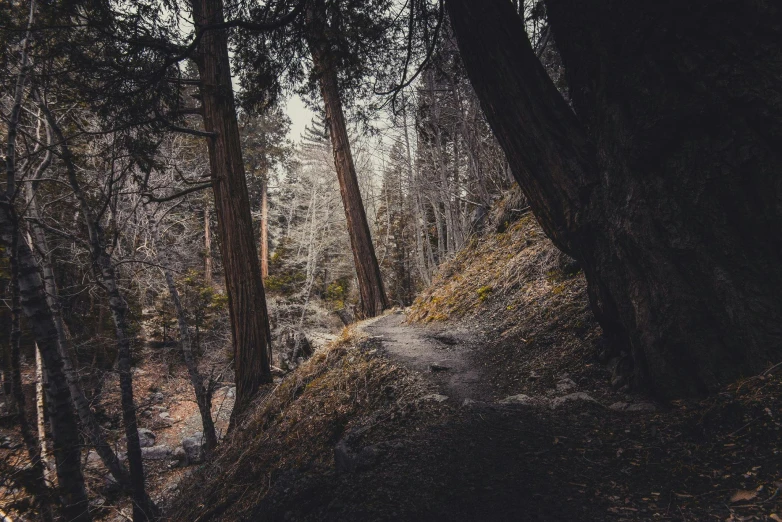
(300,117)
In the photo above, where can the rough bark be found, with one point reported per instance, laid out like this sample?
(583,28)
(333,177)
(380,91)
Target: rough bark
(28,296)
(246,299)
(37,486)
(370,283)
(207,248)
(666,188)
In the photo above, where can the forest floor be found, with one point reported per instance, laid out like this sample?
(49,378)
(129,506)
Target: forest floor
(340,445)
(490,399)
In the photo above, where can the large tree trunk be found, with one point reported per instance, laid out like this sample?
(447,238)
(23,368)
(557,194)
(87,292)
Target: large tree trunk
(667,190)
(246,299)
(370,283)
(34,445)
(28,295)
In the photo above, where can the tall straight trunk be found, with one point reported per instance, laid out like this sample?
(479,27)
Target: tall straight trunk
(370,283)
(89,424)
(666,186)
(40,414)
(207,248)
(442,238)
(246,299)
(38,487)
(143,507)
(65,432)
(265,227)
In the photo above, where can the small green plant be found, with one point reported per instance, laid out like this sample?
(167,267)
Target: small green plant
(484,292)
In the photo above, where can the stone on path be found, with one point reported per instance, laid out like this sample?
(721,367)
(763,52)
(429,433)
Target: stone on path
(435,397)
(571,397)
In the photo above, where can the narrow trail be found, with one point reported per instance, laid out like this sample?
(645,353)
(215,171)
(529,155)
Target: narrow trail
(443,355)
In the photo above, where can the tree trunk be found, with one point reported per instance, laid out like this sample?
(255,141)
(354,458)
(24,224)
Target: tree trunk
(40,414)
(667,190)
(423,269)
(370,283)
(28,295)
(207,248)
(143,507)
(65,432)
(203,390)
(246,299)
(93,430)
(38,486)
(265,227)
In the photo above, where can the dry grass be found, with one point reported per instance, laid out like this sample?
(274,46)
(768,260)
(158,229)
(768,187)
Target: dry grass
(516,267)
(342,388)
(527,296)
(515,273)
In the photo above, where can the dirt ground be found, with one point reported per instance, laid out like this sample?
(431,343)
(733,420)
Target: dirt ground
(492,398)
(372,431)
(487,460)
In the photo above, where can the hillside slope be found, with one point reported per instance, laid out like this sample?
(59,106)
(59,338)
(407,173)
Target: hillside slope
(531,301)
(488,401)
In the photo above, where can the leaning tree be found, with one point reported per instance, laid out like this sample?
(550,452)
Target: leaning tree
(662,179)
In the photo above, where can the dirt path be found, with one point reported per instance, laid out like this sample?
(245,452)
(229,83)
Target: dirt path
(443,355)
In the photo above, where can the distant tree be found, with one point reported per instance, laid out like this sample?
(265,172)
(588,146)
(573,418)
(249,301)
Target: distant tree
(329,54)
(394,229)
(265,146)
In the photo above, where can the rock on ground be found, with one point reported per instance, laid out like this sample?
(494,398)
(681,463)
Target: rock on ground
(571,397)
(156,452)
(194,448)
(146,438)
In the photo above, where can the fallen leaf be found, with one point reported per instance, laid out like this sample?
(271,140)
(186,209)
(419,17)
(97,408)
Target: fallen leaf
(743,495)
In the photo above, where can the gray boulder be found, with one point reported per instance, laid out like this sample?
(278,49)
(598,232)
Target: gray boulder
(146,437)
(156,453)
(194,448)
(179,454)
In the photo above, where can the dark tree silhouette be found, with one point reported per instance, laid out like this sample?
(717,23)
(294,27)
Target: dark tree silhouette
(664,183)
